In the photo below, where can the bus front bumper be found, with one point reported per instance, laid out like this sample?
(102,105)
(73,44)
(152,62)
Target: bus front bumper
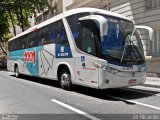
(121,79)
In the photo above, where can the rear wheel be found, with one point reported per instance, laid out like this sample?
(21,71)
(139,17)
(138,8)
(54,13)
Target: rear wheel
(65,80)
(16,71)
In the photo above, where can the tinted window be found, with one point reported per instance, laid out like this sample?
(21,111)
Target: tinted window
(41,37)
(17,44)
(61,36)
(10,46)
(89,34)
(84,33)
(52,33)
(49,36)
(32,39)
(75,26)
(23,42)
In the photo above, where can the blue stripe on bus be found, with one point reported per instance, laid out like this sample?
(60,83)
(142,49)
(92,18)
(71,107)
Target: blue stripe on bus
(31,67)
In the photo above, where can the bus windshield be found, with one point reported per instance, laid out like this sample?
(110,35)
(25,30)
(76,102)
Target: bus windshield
(121,44)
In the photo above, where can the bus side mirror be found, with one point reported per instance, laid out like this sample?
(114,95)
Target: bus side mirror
(102,22)
(147,28)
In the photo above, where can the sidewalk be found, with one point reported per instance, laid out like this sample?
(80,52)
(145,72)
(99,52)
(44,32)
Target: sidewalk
(152,82)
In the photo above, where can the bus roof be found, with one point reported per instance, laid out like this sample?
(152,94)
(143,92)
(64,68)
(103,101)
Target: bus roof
(69,13)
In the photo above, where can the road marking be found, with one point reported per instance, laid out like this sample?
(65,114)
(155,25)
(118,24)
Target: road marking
(131,101)
(141,92)
(75,110)
(146,88)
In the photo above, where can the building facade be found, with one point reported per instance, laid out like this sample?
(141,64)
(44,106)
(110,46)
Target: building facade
(56,6)
(141,12)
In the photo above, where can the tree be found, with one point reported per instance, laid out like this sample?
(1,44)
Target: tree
(19,11)
(4,27)
(23,10)
(6,6)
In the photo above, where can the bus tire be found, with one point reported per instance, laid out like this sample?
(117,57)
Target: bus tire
(65,79)
(16,71)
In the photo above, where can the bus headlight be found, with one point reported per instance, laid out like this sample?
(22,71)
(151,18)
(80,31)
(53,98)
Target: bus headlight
(106,68)
(103,67)
(110,70)
(113,71)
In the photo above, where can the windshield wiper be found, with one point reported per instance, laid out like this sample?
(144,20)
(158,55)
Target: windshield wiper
(124,50)
(127,42)
(133,45)
(130,42)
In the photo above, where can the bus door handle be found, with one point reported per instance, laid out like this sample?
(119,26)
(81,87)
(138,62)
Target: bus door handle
(83,64)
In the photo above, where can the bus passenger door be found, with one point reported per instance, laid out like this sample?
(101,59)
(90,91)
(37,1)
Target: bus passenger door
(87,32)
(86,72)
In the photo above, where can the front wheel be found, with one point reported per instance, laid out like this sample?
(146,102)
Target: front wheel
(65,80)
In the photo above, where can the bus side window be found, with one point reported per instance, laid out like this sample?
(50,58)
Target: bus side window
(23,42)
(17,44)
(88,41)
(75,27)
(61,34)
(32,39)
(40,37)
(10,46)
(52,34)
(58,33)
(46,39)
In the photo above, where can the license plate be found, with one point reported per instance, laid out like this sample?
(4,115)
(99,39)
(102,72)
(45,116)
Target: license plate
(132,81)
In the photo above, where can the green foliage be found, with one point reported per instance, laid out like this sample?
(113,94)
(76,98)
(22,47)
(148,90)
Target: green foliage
(17,12)
(4,24)
(24,9)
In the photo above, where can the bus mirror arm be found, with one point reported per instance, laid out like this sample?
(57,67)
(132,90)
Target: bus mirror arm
(146,28)
(103,24)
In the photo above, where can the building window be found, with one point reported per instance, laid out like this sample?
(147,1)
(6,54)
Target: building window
(151,4)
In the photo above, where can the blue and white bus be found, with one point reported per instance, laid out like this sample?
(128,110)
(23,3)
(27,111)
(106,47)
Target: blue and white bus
(85,46)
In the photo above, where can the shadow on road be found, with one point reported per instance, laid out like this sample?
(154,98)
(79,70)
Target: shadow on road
(101,94)
(43,81)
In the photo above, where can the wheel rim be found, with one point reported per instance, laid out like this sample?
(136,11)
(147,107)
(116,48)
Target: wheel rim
(65,80)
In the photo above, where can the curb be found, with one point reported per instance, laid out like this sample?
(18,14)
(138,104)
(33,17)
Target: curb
(150,85)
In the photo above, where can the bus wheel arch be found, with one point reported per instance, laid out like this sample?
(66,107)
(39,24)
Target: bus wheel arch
(64,76)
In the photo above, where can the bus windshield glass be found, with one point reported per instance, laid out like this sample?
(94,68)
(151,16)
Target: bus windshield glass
(120,44)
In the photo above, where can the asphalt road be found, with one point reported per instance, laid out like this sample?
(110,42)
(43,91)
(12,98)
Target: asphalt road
(33,98)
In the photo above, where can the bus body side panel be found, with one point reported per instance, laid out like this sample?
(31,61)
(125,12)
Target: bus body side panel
(46,59)
(10,65)
(10,62)
(27,60)
(86,73)
(53,55)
